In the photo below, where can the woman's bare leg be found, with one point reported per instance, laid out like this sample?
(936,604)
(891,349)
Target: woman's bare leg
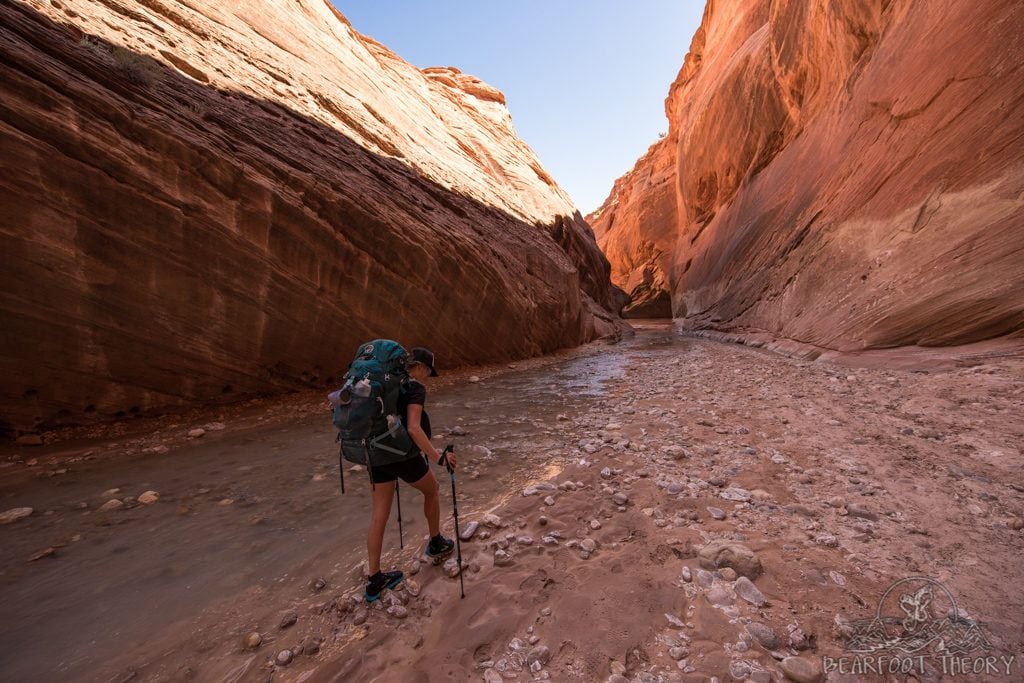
(427,485)
(382,496)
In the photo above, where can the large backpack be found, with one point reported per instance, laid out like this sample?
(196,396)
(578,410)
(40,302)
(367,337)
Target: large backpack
(370,429)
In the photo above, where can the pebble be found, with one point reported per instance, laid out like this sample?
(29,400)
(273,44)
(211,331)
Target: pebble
(620,498)
(540,655)
(720,595)
(687,574)
(801,670)
(14,514)
(763,634)
(288,619)
(746,589)
(735,494)
(595,525)
(398,611)
(492,676)
(827,540)
(474,379)
(716,513)
(360,616)
(29,440)
(195,434)
(458,430)
(588,544)
(677,653)
(725,553)
(502,558)
(727,573)
(468,531)
(606,473)
(148,497)
(112,504)
(45,552)
(525,540)
(253,640)
(492,520)
(284,657)
(549,501)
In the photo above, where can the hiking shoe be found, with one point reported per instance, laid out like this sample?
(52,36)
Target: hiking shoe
(439,548)
(378,582)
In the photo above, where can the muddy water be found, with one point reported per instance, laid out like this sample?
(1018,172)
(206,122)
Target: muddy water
(241,508)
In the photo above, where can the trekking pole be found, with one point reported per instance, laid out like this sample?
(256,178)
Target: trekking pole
(455,513)
(398,499)
(341,468)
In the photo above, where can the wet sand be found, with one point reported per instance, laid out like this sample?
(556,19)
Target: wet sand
(839,481)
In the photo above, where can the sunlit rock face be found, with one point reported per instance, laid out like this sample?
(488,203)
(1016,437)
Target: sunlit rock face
(203,201)
(837,175)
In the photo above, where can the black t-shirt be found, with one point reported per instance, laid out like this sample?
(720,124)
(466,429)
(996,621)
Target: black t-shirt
(416,394)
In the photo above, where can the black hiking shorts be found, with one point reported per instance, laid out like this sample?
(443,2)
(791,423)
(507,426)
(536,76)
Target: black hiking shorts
(409,471)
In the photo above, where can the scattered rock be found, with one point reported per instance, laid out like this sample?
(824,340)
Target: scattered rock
(195,434)
(39,554)
(620,498)
(539,654)
(284,657)
(687,574)
(746,589)
(502,558)
(827,540)
(29,440)
(112,504)
(716,513)
(736,494)
(398,611)
(288,619)
(588,544)
(474,379)
(727,573)
(801,670)
(492,520)
(360,616)
(725,553)
(148,497)
(467,532)
(14,514)
(763,634)
(458,430)
(253,640)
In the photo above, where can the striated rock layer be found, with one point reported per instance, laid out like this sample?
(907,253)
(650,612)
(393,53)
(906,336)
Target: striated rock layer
(837,175)
(206,200)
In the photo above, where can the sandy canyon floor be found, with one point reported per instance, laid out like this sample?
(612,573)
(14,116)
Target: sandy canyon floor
(659,509)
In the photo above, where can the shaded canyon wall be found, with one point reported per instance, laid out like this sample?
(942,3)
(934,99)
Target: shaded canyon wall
(202,201)
(836,175)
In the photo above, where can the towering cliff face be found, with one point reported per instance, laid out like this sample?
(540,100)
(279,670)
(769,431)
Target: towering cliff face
(846,175)
(207,200)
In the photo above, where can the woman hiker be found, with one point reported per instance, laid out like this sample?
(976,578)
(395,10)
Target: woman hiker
(414,471)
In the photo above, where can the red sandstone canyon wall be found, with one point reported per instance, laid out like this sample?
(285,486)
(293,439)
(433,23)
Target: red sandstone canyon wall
(201,201)
(836,175)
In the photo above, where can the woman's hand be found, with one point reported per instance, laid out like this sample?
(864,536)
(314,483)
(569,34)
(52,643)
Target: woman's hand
(449,457)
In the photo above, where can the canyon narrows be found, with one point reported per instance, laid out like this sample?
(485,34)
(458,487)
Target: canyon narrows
(842,175)
(204,202)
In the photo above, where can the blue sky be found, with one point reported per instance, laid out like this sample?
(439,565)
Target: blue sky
(585,80)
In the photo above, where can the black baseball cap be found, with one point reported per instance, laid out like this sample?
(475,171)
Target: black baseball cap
(425,356)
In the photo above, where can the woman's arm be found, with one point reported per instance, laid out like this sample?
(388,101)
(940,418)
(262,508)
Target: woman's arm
(417,434)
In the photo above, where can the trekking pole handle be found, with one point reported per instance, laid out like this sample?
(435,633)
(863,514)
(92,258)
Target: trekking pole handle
(450,448)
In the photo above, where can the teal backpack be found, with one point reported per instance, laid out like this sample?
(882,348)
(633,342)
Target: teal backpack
(370,430)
